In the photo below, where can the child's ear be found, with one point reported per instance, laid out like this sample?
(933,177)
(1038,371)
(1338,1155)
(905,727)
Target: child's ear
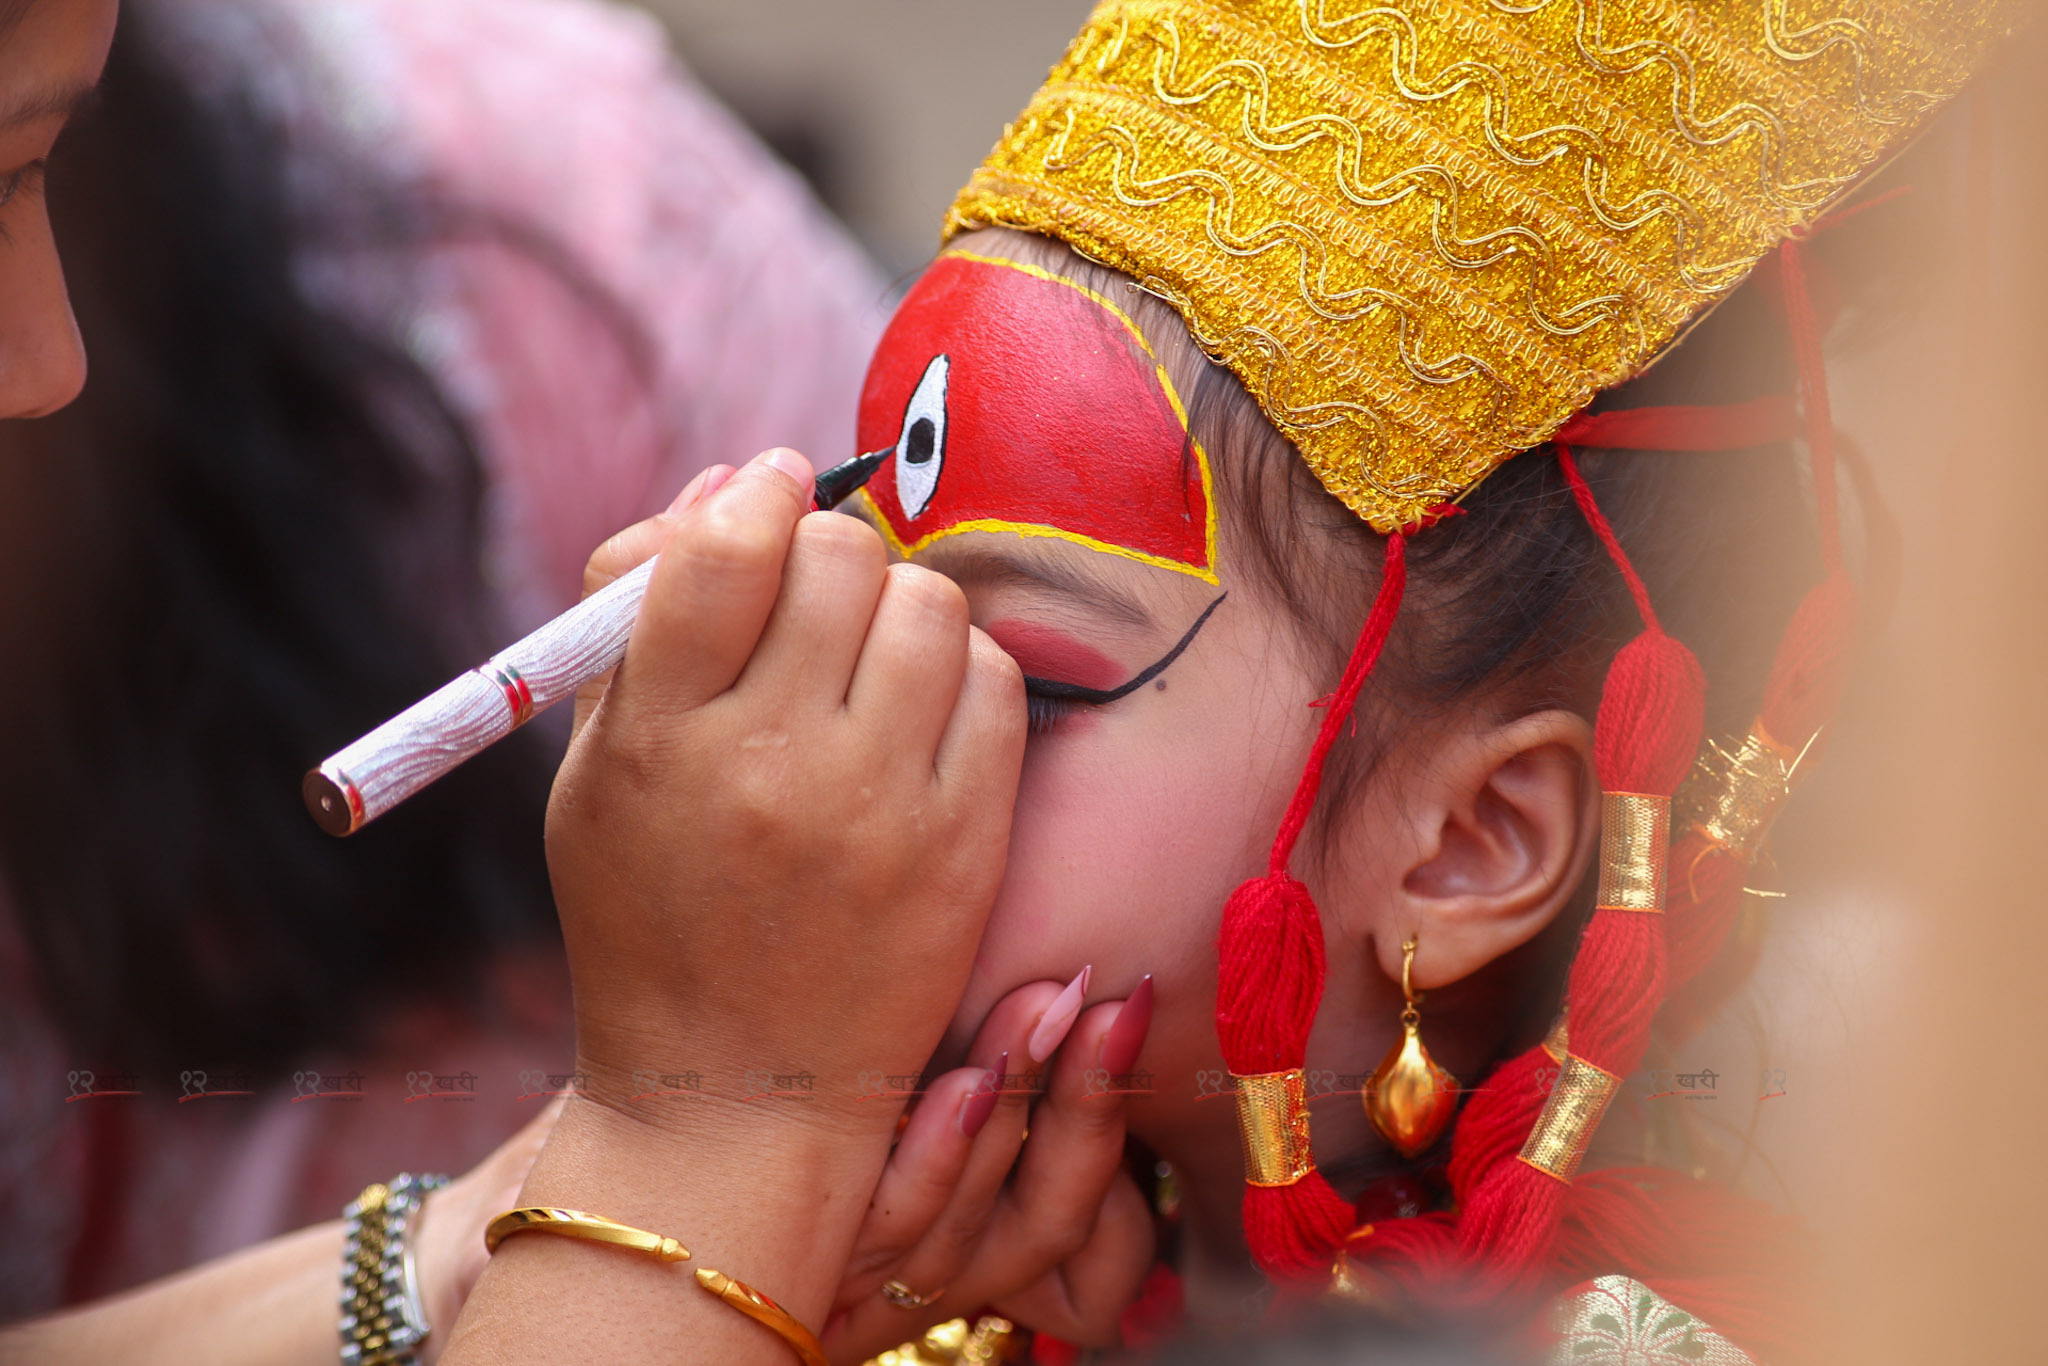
(1497,828)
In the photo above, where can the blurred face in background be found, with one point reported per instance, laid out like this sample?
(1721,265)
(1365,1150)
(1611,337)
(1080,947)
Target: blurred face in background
(51,52)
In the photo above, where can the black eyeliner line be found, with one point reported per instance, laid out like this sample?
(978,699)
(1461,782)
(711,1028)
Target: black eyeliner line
(1074,692)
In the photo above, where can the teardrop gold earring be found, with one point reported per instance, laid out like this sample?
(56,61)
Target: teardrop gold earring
(1409,1098)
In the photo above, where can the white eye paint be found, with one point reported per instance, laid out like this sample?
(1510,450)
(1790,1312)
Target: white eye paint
(921,447)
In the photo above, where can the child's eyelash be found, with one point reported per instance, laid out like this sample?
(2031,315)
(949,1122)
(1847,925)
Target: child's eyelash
(12,185)
(1045,711)
(1048,700)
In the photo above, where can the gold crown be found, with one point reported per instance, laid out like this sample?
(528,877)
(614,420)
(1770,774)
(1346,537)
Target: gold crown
(1425,234)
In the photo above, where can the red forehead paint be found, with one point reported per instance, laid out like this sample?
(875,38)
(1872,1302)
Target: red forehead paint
(1020,401)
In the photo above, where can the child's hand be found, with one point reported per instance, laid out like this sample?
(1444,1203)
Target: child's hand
(781,823)
(1042,1223)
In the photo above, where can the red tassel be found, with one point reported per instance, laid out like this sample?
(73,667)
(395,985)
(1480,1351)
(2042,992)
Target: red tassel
(1702,874)
(1645,737)
(1497,1117)
(1271,979)
(1294,1231)
(1813,662)
(1805,686)
(1510,1225)
(1270,969)
(1652,711)
(1698,1247)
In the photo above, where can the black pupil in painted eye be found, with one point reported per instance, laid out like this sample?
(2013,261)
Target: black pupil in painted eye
(917,447)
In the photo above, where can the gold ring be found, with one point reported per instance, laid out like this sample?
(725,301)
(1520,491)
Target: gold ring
(903,1297)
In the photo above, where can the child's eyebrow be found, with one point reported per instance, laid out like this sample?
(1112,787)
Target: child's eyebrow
(986,565)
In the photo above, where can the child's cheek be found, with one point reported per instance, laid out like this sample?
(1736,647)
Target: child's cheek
(1123,848)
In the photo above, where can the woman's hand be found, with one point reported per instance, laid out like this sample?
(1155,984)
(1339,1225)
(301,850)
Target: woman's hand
(781,823)
(1007,1187)
(448,1246)
(774,841)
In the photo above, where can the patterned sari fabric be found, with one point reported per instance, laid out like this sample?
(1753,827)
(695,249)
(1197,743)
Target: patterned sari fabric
(1619,1321)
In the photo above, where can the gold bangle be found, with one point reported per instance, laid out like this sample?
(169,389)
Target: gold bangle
(595,1228)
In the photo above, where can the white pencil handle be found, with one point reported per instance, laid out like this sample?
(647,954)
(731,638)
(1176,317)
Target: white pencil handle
(442,730)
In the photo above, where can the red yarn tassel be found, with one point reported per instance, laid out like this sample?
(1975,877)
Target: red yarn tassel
(1497,1117)
(1702,876)
(1805,686)
(1271,967)
(1647,732)
(1813,662)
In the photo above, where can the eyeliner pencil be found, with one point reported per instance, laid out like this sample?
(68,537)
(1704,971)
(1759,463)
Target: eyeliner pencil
(446,728)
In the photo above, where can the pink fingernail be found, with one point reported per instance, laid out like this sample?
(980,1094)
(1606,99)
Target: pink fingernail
(1127,1032)
(975,1110)
(1059,1018)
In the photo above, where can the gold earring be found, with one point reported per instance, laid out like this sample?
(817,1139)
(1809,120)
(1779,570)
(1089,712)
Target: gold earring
(1409,1098)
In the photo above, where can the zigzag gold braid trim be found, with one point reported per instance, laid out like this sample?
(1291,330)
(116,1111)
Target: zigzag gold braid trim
(1386,483)
(1571,1113)
(1822,35)
(1424,234)
(1340,130)
(1357,130)
(1323,244)
(1696,42)
(1684,194)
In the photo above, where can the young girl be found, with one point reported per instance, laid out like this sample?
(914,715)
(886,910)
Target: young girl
(1135,528)
(1275,596)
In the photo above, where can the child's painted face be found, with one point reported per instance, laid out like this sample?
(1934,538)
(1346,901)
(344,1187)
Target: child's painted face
(1042,460)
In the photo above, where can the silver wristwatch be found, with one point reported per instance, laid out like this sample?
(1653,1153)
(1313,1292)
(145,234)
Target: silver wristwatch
(382,1323)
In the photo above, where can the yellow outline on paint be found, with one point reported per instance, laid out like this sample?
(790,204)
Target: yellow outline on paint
(1205,573)
(1032,529)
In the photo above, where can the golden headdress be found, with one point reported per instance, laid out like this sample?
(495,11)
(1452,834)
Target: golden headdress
(1425,234)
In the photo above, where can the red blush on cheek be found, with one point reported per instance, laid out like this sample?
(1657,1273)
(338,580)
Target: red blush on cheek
(1042,652)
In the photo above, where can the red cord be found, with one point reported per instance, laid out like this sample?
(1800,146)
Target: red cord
(1679,427)
(1364,655)
(1597,519)
(1813,385)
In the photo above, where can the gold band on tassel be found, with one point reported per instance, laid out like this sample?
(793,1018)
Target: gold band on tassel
(1557,1043)
(1635,834)
(1734,794)
(1272,1114)
(1570,1115)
